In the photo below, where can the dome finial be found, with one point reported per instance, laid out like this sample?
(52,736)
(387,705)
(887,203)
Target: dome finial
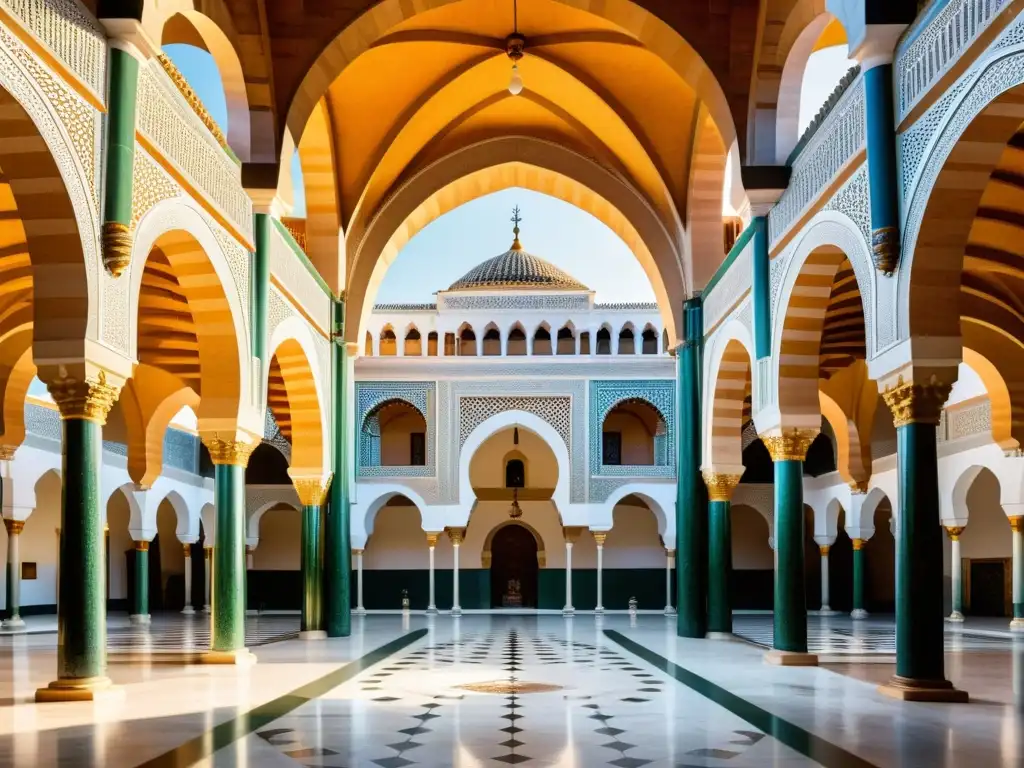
(515,229)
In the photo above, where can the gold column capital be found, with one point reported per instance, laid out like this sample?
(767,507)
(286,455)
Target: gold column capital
(824,549)
(456,535)
(600,537)
(7,452)
(1016,523)
(858,544)
(233,451)
(858,486)
(186,550)
(954,531)
(88,399)
(312,489)
(142,546)
(914,403)
(249,549)
(572,532)
(720,484)
(432,537)
(357,552)
(14,527)
(790,445)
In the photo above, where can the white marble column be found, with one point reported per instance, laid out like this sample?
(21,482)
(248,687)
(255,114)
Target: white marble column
(187,551)
(1017,526)
(431,544)
(571,533)
(824,550)
(208,555)
(358,554)
(14,529)
(670,555)
(593,341)
(599,539)
(456,535)
(956,567)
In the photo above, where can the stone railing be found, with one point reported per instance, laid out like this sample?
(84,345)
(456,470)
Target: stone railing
(935,42)
(70,32)
(840,136)
(169,123)
(290,269)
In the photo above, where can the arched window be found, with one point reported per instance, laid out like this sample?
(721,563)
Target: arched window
(449,344)
(626,341)
(432,344)
(650,341)
(542,341)
(585,343)
(467,342)
(388,342)
(515,474)
(664,340)
(492,342)
(393,435)
(634,434)
(516,341)
(566,341)
(413,343)
(604,342)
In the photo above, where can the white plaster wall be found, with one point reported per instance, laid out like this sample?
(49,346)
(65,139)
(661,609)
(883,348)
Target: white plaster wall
(119,542)
(988,531)
(395,445)
(172,558)
(280,541)
(633,541)
(487,467)
(398,541)
(39,543)
(750,547)
(637,440)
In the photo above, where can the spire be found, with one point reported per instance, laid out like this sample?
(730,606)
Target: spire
(516,246)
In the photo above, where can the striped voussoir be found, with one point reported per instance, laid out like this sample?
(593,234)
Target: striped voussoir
(731,405)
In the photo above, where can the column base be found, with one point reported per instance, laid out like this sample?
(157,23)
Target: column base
(313,634)
(858,613)
(431,610)
(670,611)
(13,624)
(79,689)
(791,658)
(359,611)
(241,657)
(140,619)
(188,610)
(1017,625)
(252,612)
(719,636)
(456,611)
(568,611)
(599,610)
(206,609)
(956,617)
(909,689)
(823,612)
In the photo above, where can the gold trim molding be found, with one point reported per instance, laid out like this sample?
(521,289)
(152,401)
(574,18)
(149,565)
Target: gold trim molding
(7,452)
(790,445)
(456,535)
(954,531)
(117,247)
(14,527)
(720,485)
(234,452)
(312,491)
(142,546)
(912,403)
(858,544)
(1017,523)
(432,538)
(193,100)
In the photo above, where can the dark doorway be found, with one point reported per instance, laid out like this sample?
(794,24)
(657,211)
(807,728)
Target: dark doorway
(988,587)
(514,568)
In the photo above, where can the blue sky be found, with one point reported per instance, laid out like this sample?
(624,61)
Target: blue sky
(559,232)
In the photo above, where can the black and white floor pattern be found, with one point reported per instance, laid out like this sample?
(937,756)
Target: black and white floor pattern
(192,633)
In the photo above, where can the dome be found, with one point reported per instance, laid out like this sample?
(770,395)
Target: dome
(517,269)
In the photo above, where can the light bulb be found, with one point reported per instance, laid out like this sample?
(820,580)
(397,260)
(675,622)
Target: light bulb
(515,83)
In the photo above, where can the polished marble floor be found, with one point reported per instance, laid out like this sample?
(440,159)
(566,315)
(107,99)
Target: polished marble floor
(588,691)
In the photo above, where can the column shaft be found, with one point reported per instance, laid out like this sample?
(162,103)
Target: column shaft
(600,538)
(120,156)
(81,610)
(719,567)
(1017,525)
(858,579)
(187,549)
(567,608)
(359,582)
(790,595)
(669,609)
(312,567)
(208,574)
(14,529)
(431,545)
(338,546)
(825,606)
(456,608)
(140,608)
(228,593)
(691,499)
(881,161)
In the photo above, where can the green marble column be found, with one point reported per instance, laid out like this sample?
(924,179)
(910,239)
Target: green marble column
(920,628)
(140,608)
(720,489)
(788,450)
(338,544)
(81,607)
(14,529)
(120,155)
(858,611)
(312,493)
(227,601)
(691,505)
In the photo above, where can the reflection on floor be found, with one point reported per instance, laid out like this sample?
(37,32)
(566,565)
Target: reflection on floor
(492,690)
(841,635)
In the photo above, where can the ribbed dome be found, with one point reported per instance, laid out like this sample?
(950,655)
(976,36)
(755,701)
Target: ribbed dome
(517,269)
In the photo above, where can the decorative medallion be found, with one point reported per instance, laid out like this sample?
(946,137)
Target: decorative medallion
(507,687)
